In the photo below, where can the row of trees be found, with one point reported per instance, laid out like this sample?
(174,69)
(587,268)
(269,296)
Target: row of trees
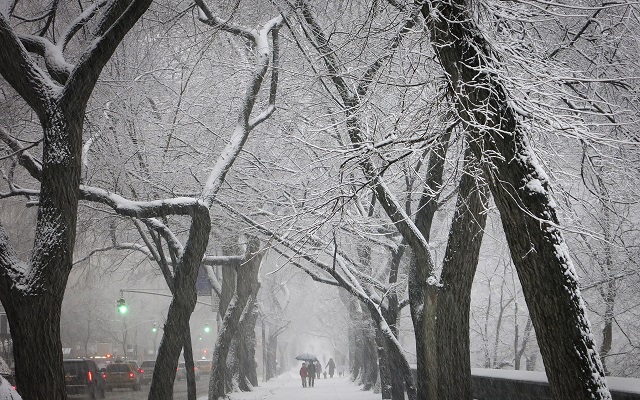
(386,126)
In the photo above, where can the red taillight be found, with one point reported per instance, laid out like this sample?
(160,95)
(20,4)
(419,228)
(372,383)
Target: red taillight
(104,375)
(131,375)
(90,376)
(141,371)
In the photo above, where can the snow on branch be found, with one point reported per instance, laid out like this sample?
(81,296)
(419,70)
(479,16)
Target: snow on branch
(54,60)
(230,261)
(244,126)
(114,26)
(349,283)
(172,241)
(31,164)
(306,270)
(80,21)
(124,246)
(13,271)
(144,209)
(6,7)
(22,72)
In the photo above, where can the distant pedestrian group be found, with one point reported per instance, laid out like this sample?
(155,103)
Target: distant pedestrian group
(312,370)
(308,374)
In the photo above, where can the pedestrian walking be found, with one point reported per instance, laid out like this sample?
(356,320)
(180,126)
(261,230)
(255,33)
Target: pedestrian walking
(332,367)
(311,373)
(318,369)
(303,374)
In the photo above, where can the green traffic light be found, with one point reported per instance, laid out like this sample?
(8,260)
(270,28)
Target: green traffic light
(155,328)
(207,329)
(122,305)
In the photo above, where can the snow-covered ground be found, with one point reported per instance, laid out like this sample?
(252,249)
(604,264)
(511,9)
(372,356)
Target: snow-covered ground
(289,387)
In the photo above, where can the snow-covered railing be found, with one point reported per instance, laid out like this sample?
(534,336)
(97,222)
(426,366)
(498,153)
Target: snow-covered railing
(501,384)
(504,384)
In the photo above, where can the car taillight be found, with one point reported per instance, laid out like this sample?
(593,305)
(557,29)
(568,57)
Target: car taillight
(104,375)
(131,375)
(141,371)
(90,376)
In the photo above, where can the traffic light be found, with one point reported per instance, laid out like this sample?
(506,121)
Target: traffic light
(122,306)
(155,328)
(207,329)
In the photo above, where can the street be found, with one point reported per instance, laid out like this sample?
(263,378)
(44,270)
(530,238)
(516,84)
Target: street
(179,391)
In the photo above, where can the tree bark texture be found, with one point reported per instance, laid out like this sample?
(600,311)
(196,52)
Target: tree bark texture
(181,307)
(383,366)
(423,297)
(189,364)
(454,295)
(241,304)
(32,293)
(247,373)
(522,195)
(272,352)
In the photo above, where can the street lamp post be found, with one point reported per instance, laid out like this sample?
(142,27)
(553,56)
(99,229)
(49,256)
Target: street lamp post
(121,305)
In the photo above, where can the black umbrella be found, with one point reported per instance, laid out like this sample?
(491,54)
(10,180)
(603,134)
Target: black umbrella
(306,357)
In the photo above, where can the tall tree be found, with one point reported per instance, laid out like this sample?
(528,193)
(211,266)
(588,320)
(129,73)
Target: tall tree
(31,291)
(521,190)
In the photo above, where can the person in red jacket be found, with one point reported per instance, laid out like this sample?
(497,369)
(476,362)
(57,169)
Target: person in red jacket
(303,374)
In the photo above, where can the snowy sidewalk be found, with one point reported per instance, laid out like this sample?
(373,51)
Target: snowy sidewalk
(289,387)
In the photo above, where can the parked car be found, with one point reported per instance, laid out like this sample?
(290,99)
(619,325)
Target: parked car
(10,378)
(181,372)
(82,378)
(146,369)
(137,369)
(121,375)
(204,366)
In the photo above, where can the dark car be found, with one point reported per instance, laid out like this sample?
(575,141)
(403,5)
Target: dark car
(121,375)
(10,378)
(137,368)
(181,372)
(82,377)
(146,369)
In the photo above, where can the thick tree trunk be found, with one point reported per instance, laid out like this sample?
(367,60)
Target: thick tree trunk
(247,373)
(369,357)
(240,307)
(229,329)
(35,329)
(181,307)
(170,346)
(423,297)
(383,366)
(189,365)
(454,297)
(34,314)
(522,195)
(607,329)
(394,364)
(272,351)
(32,294)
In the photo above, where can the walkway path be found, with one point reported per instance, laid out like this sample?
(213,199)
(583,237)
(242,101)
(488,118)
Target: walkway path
(289,387)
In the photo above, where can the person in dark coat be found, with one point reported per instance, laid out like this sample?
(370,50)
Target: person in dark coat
(303,374)
(332,367)
(318,369)
(311,373)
